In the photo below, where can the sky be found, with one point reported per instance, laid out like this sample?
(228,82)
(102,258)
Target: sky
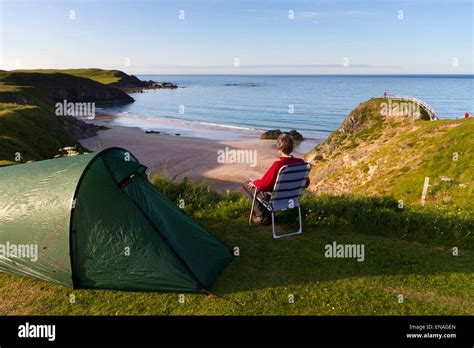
(241,37)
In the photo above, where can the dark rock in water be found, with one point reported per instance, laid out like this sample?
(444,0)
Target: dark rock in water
(178,134)
(168,85)
(152,132)
(155,85)
(271,134)
(145,85)
(297,136)
(251,84)
(275,133)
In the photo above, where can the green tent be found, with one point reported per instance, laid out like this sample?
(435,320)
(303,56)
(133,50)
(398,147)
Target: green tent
(96,221)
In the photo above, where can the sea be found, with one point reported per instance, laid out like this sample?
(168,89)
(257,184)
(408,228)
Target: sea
(226,107)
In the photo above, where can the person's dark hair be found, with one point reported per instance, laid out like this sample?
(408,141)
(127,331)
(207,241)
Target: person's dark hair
(285,143)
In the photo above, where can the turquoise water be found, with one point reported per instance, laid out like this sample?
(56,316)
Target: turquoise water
(220,106)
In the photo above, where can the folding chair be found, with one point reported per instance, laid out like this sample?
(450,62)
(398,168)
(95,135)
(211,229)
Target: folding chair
(286,193)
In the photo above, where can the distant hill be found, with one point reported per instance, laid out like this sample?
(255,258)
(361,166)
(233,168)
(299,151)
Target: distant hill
(372,154)
(56,87)
(115,78)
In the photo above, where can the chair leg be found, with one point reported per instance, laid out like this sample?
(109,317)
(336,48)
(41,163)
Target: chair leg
(253,204)
(301,221)
(288,234)
(273,225)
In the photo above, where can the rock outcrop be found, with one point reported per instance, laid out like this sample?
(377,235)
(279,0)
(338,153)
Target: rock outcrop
(144,85)
(275,133)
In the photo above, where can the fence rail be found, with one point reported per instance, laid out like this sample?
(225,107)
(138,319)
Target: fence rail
(429,109)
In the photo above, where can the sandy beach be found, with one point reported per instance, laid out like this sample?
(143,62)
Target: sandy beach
(198,159)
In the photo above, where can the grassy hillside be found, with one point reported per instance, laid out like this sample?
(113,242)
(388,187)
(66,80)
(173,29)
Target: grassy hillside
(28,123)
(392,156)
(34,133)
(403,257)
(56,87)
(107,77)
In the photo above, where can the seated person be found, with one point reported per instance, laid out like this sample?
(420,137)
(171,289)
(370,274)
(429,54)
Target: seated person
(265,185)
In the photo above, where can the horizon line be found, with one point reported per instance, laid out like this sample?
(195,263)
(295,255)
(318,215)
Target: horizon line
(294,74)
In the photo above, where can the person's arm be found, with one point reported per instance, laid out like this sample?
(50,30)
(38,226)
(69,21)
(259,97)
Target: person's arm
(267,182)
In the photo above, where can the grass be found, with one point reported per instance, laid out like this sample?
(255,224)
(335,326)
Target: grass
(401,153)
(404,256)
(438,159)
(103,76)
(431,155)
(409,249)
(32,132)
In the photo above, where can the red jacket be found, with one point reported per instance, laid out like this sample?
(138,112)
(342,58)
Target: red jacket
(267,182)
